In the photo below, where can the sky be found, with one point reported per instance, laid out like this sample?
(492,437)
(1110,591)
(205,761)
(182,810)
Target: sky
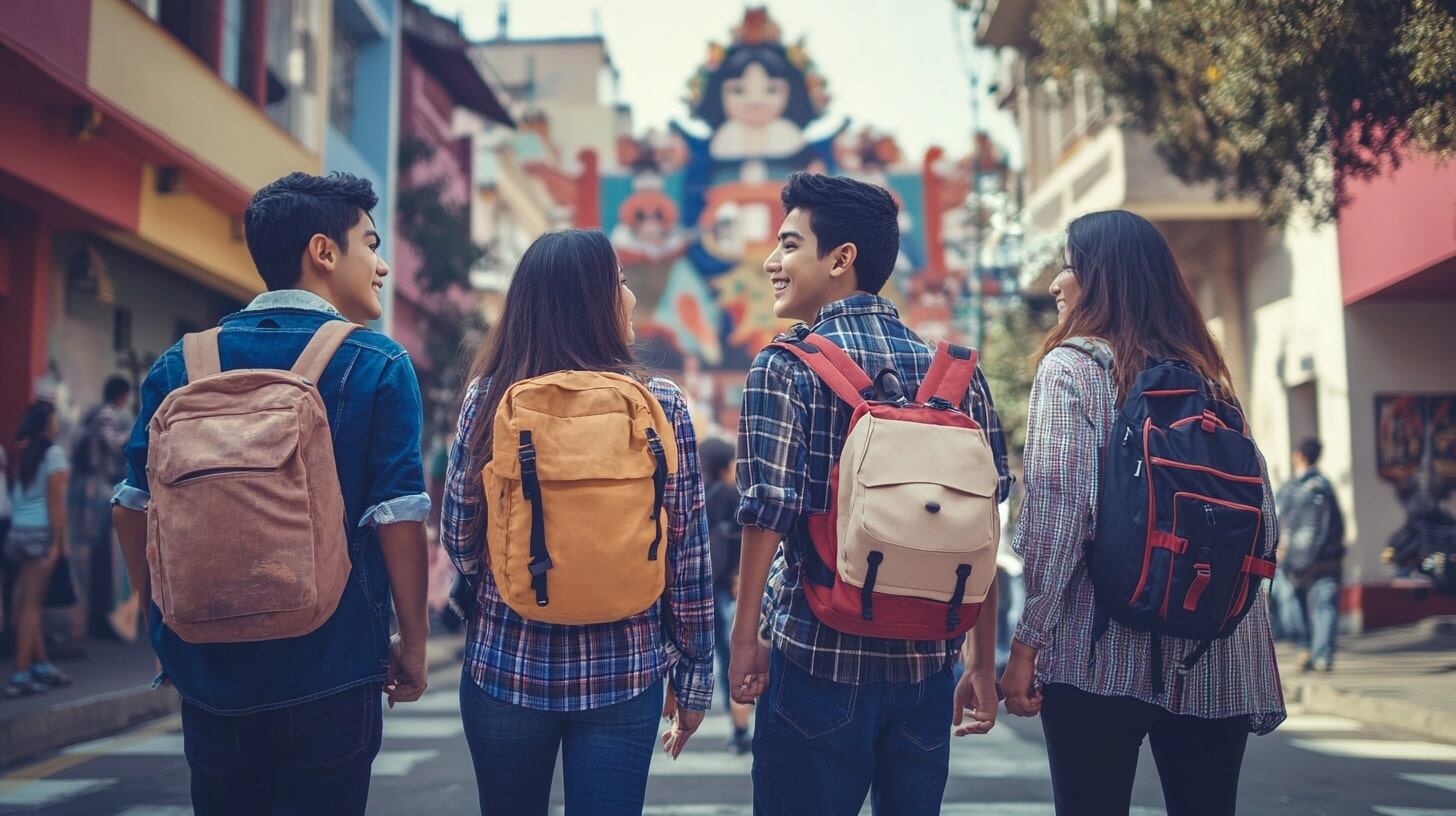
(890,64)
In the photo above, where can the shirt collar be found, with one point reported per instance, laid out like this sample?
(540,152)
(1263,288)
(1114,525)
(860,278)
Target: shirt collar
(292,299)
(859,303)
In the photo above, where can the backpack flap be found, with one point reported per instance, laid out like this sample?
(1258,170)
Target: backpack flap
(219,445)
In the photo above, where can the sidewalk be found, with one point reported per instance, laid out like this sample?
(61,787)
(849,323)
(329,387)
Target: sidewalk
(112,691)
(1404,677)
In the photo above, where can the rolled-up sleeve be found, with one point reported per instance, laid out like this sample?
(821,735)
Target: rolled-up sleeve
(690,595)
(134,492)
(771,448)
(396,486)
(1062,451)
(463,501)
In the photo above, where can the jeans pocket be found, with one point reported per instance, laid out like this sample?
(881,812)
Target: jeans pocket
(337,729)
(814,706)
(927,725)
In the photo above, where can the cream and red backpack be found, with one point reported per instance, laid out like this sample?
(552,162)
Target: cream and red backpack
(909,542)
(246,532)
(576,532)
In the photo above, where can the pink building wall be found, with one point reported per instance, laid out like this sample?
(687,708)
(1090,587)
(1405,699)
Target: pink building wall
(1397,236)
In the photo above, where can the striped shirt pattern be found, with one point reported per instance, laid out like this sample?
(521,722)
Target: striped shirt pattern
(1071,413)
(552,667)
(790,432)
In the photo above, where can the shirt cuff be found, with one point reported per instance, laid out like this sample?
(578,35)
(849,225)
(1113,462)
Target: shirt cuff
(766,515)
(1031,636)
(132,498)
(405,508)
(692,683)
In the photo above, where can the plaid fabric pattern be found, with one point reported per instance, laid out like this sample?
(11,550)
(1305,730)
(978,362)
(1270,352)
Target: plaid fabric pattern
(575,668)
(790,432)
(1072,409)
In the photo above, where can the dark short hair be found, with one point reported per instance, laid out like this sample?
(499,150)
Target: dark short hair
(285,215)
(845,211)
(1310,449)
(116,387)
(716,454)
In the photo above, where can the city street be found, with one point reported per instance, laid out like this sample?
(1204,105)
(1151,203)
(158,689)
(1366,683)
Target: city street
(1315,764)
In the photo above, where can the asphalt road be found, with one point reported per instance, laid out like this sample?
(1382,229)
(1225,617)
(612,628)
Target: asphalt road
(1315,764)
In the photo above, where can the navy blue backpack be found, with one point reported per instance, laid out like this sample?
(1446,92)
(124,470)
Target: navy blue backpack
(1179,546)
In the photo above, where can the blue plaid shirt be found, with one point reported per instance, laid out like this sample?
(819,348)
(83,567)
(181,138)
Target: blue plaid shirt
(790,432)
(573,668)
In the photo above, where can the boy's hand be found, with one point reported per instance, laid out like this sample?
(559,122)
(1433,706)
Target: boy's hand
(975,703)
(406,681)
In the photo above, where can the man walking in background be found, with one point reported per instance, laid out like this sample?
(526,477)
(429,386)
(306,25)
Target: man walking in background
(1310,559)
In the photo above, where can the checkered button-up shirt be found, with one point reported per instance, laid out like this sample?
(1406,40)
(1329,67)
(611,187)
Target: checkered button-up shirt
(573,668)
(1071,413)
(790,432)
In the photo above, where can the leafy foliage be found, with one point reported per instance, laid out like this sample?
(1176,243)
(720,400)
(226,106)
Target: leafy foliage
(1282,100)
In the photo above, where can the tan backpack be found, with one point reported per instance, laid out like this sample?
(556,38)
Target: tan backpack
(576,532)
(246,532)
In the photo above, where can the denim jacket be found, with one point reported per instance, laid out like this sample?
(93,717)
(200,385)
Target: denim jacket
(375,419)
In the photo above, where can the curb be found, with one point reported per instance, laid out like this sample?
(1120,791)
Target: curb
(1322,698)
(29,736)
(22,738)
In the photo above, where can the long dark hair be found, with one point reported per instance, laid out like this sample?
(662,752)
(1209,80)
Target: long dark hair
(562,312)
(1134,298)
(33,440)
(775,60)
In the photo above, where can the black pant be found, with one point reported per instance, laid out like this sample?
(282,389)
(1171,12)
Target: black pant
(309,759)
(1093,743)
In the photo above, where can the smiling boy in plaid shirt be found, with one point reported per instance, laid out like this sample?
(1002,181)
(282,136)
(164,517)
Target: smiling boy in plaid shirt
(843,715)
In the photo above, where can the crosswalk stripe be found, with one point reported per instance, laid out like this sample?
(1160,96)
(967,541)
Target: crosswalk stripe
(948,809)
(32,793)
(439,703)
(1313,723)
(156,745)
(1442,781)
(422,727)
(400,763)
(1405,750)
(1386,810)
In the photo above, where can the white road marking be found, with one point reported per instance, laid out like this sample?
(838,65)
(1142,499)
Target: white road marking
(33,793)
(400,763)
(1318,723)
(422,727)
(1386,810)
(433,703)
(156,745)
(949,809)
(1403,750)
(1442,781)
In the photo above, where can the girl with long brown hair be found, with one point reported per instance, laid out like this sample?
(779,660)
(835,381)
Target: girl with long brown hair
(591,693)
(1121,297)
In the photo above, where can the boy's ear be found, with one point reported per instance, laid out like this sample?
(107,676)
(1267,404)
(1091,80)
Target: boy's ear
(322,252)
(844,256)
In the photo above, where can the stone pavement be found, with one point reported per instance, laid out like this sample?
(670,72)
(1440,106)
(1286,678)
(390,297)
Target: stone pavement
(1403,677)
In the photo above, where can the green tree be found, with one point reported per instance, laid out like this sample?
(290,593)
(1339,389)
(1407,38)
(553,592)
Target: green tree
(438,229)
(1285,101)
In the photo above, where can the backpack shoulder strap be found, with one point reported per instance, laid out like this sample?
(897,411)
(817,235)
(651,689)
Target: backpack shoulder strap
(1096,349)
(843,375)
(950,374)
(320,350)
(199,352)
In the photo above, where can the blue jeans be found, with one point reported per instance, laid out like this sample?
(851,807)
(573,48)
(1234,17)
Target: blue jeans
(724,607)
(819,746)
(1318,606)
(605,753)
(305,759)
(1287,618)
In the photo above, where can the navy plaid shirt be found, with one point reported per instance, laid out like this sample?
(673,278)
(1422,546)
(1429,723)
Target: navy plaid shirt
(790,432)
(573,668)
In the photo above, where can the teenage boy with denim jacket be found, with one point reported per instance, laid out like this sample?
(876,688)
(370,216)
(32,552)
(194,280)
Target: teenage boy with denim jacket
(841,715)
(293,725)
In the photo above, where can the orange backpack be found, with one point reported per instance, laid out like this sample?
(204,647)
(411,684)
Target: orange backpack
(245,530)
(573,495)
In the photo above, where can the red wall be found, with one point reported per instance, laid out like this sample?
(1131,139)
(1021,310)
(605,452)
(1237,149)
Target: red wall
(57,30)
(1398,226)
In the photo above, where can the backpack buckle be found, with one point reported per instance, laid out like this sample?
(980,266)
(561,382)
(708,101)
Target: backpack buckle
(540,566)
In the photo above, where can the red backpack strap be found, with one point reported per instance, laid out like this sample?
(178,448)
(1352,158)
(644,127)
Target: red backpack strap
(950,375)
(843,376)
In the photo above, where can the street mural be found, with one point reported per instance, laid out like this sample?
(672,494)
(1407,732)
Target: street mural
(695,210)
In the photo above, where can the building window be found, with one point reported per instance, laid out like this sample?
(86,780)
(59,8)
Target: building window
(195,25)
(342,76)
(291,92)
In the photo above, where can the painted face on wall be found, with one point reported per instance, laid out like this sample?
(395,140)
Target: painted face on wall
(755,99)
